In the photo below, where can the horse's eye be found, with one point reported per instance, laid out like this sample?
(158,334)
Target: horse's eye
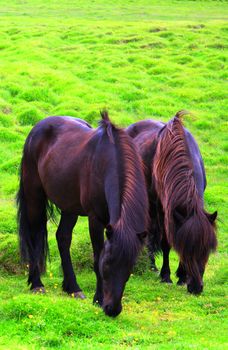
(105,270)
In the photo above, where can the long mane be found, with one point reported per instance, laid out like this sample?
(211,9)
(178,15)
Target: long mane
(173,173)
(133,217)
(175,185)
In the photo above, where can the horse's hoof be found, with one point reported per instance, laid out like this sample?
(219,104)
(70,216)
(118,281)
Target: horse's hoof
(154,269)
(78,295)
(181,283)
(38,290)
(166,280)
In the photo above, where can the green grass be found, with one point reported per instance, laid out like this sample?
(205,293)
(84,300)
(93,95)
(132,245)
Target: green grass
(140,59)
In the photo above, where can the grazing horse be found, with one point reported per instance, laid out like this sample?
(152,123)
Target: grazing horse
(176,181)
(87,172)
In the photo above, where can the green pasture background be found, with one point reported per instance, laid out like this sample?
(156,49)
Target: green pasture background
(140,59)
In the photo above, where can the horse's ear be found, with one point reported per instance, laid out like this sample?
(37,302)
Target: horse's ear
(109,231)
(142,236)
(212,217)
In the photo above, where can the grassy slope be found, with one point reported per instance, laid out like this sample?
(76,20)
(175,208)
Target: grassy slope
(140,59)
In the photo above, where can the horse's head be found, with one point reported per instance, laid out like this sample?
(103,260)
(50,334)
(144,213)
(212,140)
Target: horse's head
(114,278)
(195,239)
(127,204)
(115,269)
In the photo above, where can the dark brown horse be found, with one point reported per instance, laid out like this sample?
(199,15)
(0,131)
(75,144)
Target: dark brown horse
(176,182)
(87,172)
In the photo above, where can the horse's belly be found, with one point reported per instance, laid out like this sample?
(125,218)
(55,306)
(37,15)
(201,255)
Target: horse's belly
(62,187)
(65,199)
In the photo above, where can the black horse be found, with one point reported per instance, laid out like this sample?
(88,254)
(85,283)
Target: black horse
(87,172)
(176,181)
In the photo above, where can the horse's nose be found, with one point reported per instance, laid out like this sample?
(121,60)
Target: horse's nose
(195,289)
(111,310)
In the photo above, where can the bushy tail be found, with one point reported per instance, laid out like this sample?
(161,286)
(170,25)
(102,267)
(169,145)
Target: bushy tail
(32,234)
(187,225)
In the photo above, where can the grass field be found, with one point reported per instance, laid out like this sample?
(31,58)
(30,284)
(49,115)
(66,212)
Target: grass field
(140,59)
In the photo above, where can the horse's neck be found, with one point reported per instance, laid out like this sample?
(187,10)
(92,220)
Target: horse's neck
(113,195)
(197,162)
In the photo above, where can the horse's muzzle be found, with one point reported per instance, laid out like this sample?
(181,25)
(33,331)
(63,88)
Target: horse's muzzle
(112,310)
(194,288)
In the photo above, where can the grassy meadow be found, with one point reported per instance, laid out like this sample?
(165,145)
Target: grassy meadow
(140,59)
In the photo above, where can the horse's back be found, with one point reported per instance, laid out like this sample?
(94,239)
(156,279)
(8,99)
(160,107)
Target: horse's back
(50,130)
(146,133)
(57,125)
(144,126)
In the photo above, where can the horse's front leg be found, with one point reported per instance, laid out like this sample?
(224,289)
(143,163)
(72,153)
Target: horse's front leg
(64,237)
(181,274)
(96,230)
(165,270)
(152,246)
(154,236)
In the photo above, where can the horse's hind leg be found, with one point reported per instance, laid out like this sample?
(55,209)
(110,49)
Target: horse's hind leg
(31,202)
(181,274)
(165,270)
(64,237)
(96,230)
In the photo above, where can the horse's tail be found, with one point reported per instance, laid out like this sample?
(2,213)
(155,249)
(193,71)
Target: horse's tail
(188,227)
(32,230)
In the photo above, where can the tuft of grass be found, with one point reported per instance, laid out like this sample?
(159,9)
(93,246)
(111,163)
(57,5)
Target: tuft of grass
(29,116)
